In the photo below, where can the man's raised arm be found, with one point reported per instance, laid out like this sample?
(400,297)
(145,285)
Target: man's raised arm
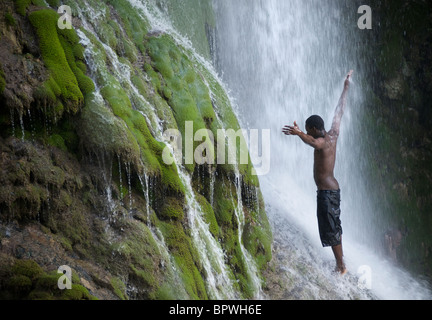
(340,109)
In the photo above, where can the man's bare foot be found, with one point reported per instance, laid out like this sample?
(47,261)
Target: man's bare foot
(341,270)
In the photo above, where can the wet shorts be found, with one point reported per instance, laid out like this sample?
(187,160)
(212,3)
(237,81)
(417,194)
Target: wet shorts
(328,212)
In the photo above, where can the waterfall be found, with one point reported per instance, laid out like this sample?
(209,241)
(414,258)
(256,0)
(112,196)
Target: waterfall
(285,61)
(217,278)
(217,275)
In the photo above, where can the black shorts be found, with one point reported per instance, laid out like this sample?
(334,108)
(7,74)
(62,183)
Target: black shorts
(328,212)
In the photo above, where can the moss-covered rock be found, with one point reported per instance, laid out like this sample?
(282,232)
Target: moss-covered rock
(2,80)
(63,79)
(397,157)
(172,209)
(27,280)
(209,215)
(111,134)
(181,248)
(92,132)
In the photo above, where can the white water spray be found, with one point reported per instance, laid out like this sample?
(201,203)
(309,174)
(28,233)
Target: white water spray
(284,61)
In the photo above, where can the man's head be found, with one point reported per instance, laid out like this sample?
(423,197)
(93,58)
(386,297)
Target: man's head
(315,126)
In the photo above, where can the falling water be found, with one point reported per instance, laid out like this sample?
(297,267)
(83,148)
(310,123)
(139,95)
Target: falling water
(146,189)
(218,277)
(33,131)
(120,178)
(22,126)
(128,172)
(12,119)
(106,170)
(212,257)
(285,60)
(239,213)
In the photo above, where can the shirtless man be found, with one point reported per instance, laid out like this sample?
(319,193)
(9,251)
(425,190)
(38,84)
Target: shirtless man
(328,194)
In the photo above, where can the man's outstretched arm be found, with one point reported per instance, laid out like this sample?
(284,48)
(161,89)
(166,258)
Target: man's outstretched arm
(340,109)
(309,140)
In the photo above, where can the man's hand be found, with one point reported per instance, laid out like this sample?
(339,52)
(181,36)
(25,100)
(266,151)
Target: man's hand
(347,81)
(340,109)
(318,143)
(292,130)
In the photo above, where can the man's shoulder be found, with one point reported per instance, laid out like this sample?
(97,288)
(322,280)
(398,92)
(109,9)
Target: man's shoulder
(332,135)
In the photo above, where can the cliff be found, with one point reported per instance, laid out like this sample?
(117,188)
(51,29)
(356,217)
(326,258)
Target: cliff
(84,182)
(397,129)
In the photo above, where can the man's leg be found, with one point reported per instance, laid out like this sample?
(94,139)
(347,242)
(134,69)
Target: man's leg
(338,253)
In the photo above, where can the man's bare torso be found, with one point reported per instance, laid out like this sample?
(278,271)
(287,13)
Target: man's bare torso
(324,163)
(324,143)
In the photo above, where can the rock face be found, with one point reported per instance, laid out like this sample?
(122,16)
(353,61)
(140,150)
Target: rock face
(398,140)
(83,179)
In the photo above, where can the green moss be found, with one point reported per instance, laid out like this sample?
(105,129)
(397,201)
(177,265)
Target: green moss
(74,225)
(53,3)
(141,256)
(223,204)
(181,249)
(20,283)
(74,52)
(161,106)
(55,45)
(172,209)
(180,82)
(39,3)
(78,292)
(27,280)
(41,295)
(101,130)
(127,49)
(10,20)
(28,268)
(150,149)
(47,287)
(134,24)
(236,260)
(180,85)
(21,6)
(107,34)
(47,94)
(209,215)
(57,141)
(171,178)
(119,288)
(167,292)
(154,77)
(193,19)
(48,282)
(257,240)
(117,123)
(146,278)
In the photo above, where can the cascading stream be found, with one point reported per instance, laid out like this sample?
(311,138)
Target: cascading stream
(285,61)
(217,275)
